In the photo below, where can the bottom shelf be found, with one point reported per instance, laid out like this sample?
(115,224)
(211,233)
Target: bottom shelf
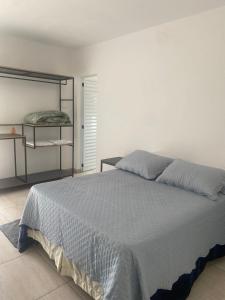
(15,182)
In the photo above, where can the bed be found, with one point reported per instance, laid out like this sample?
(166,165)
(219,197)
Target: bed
(122,237)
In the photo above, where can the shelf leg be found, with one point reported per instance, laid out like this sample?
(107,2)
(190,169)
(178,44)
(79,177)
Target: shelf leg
(60,128)
(34,136)
(73,128)
(25,158)
(22,133)
(14,143)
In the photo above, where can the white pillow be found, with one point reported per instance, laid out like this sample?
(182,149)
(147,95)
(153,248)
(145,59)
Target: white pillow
(144,163)
(199,179)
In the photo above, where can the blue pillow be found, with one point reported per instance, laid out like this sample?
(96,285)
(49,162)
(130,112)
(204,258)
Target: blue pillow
(143,163)
(199,179)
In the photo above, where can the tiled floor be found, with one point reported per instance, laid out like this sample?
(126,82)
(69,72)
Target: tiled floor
(32,275)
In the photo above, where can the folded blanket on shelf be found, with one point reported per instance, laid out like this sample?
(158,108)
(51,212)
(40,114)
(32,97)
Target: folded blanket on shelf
(45,117)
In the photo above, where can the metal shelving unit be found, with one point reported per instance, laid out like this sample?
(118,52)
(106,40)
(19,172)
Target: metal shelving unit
(29,179)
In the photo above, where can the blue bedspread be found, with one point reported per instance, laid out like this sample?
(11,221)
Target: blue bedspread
(131,235)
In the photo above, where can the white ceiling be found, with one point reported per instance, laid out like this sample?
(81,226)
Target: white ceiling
(76,23)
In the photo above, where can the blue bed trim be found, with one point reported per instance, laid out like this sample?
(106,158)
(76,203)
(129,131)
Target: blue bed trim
(180,289)
(24,241)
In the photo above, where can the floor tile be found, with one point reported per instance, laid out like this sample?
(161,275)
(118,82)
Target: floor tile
(209,286)
(7,251)
(27,277)
(12,213)
(44,255)
(49,261)
(64,292)
(3,220)
(14,198)
(219,263)
(79,291)
(12,204)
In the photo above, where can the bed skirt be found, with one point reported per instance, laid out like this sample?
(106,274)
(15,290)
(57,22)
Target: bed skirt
(66,268)
(180,289)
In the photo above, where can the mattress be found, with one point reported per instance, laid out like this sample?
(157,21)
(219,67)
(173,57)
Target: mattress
(129,235)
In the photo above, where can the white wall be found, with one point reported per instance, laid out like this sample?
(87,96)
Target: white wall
(20,97)
(162,89)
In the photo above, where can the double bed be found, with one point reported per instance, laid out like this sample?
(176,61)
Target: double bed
(122,237)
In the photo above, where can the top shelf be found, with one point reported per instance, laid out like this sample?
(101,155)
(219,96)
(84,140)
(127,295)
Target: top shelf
(38,125)
(10,72)
(48,125)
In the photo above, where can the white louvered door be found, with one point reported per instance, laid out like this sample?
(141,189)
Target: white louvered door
(89,126)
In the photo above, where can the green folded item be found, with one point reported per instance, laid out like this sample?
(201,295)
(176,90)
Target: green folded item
(47,117)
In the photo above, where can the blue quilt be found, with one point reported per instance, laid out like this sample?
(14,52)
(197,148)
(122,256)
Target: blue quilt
(132,235)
